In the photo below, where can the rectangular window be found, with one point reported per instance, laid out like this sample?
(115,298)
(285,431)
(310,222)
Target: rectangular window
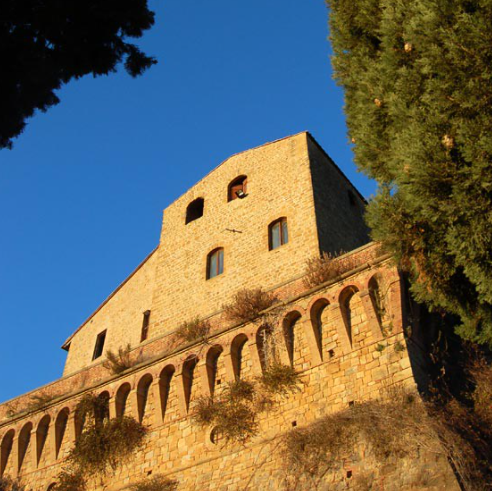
(98,349)
(145,326)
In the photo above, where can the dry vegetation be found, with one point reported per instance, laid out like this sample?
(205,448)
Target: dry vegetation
(103,445)
(327,267)
(193,330)
(280,379)
(247,304)
(481,373)
(235,412)
(118,362)
(8,484)
(92,409)
(70,480)
(155,483)
(396,427)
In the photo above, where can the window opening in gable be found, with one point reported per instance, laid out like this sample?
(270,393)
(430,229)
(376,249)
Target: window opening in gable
(194,210)
(99,347)
(237,188)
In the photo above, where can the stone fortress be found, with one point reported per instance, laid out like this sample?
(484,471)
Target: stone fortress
(252,222)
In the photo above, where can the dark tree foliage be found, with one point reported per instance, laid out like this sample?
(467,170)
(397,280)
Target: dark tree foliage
(417,77)
(46,43)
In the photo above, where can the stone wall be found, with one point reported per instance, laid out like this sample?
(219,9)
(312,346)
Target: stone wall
(288,178)
(345,353)
(120,316)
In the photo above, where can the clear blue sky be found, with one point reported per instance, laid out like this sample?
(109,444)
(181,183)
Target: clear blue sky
(83,190)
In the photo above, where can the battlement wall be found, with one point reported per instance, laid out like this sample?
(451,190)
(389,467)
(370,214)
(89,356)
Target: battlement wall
(338,357)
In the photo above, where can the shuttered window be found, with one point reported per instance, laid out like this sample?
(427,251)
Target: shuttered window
(237,188)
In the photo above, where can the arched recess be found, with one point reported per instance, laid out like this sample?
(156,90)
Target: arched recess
(143,389)
(165,379)
(80,420)
(6,450)
(188,376)
(237,356)
(61,424)
(346,306)
(316,315)
(291,336)
(376,294)
(103,407)
(121,399)
(24,440)
(41,436)
(212,361)
(265,342)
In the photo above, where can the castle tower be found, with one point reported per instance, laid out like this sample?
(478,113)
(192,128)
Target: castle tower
(252,222)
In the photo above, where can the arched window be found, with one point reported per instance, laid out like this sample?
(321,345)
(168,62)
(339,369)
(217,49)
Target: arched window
(289,334)
(143,389)
(237,188)
(277,233)
(41,435)
(188,375)
(237,347)
(194,210)
(60,429)
(212,365)
(5,450)
(165,387)
(121,399)
(215,263)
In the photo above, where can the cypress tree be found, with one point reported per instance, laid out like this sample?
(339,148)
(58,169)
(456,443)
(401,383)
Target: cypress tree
(418,99)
